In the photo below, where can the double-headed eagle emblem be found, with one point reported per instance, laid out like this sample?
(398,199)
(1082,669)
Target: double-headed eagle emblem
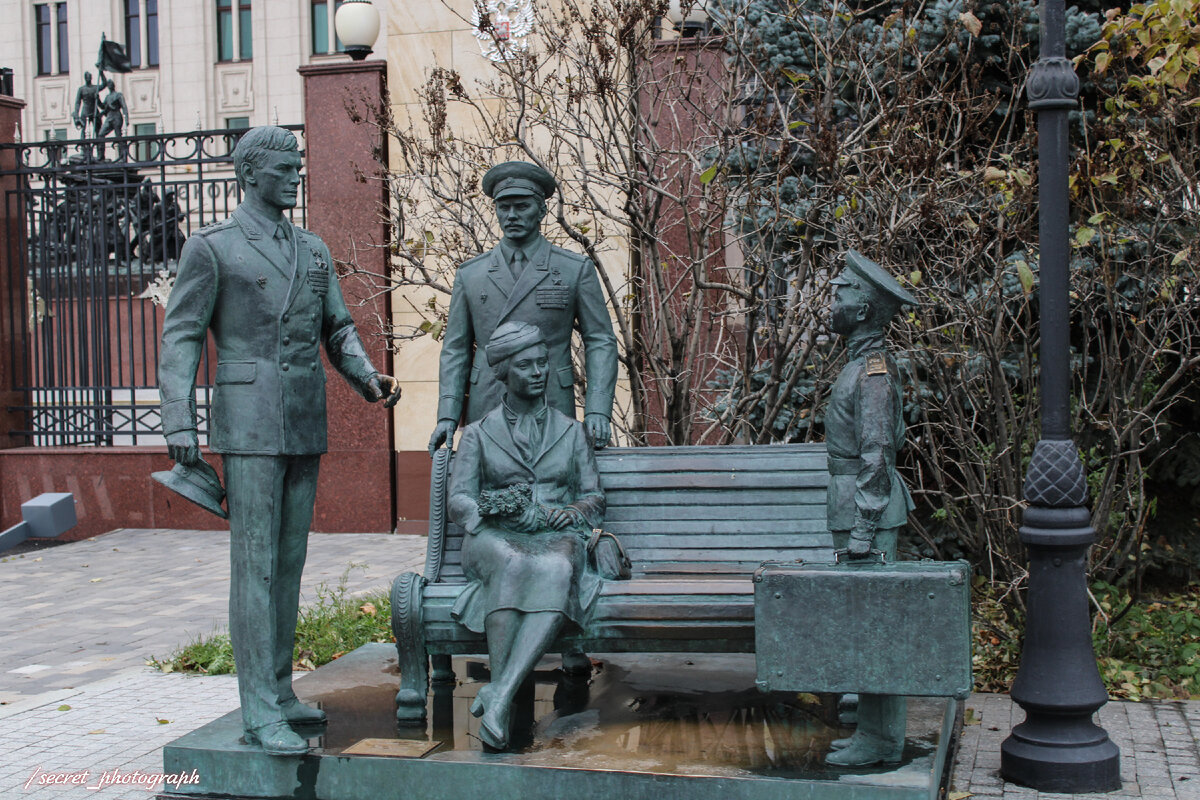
(502,26)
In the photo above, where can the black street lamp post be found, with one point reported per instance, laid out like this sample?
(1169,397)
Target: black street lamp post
(1057,748)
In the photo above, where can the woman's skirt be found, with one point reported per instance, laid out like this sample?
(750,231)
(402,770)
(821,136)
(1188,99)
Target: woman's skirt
(543,571)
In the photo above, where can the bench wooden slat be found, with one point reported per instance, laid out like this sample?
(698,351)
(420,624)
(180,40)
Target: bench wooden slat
(702,459)
(704,541)
(745,529)
(807,502)
(744,483)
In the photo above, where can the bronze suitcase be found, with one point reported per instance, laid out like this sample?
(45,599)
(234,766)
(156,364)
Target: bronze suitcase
(899,627)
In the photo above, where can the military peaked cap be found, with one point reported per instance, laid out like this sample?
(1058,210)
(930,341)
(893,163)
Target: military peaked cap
(198,483)
(876,277)
(518,177)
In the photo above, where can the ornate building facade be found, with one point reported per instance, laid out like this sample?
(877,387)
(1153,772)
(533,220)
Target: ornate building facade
(197,64)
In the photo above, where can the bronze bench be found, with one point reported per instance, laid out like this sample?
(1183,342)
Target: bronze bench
(695,521)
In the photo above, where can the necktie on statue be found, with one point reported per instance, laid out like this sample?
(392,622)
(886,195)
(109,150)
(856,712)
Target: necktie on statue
(517,265)
(283,242)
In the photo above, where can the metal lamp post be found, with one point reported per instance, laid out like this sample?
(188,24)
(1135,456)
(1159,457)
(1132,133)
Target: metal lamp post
(1057,748)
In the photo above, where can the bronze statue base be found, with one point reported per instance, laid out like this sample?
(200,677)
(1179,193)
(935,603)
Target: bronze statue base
(662,725)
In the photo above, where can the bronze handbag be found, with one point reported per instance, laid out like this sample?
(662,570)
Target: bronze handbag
(608,557)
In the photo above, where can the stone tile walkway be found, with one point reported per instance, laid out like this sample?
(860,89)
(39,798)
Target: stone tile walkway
(81,611)
(1160,757)
(77,698)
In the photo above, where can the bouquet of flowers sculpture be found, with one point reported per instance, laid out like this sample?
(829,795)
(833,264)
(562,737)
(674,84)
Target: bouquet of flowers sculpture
(515,505)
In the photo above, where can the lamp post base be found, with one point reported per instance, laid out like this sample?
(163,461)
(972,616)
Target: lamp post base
(1079,758)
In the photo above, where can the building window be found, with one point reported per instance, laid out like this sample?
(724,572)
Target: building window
(151,33)
(239,124)
(145,151)
(56,134)
(64,45)
(41,35)
(225,30)
(133,32)
(323,29)
(233,28)
(245,42)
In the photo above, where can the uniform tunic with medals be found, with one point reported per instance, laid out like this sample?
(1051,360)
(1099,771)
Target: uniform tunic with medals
(556,290)
(864,428)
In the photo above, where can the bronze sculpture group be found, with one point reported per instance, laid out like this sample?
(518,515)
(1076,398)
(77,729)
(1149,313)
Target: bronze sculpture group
(524,484)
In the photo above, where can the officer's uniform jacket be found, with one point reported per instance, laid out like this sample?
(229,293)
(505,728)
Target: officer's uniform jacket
(268,316)
(556,290)
(864,428)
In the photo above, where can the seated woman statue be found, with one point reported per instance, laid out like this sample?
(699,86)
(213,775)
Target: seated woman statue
(526,490)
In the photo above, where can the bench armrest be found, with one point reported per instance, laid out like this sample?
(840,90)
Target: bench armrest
(439,486)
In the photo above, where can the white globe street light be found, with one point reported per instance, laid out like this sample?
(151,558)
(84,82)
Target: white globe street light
(357,24)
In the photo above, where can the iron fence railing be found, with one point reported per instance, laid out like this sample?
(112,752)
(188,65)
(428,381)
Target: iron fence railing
(98,229)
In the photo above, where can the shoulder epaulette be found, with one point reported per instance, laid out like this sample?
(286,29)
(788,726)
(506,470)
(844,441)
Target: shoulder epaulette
(221,225)
(876,363)
(475,259)
(564,253)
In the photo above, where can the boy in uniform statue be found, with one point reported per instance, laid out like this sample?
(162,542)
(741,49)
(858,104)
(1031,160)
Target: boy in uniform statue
(867,502)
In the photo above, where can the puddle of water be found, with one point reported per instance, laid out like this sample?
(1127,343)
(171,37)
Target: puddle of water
(664,713)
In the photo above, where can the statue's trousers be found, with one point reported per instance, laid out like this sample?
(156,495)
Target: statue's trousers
(879,715)
(270,510)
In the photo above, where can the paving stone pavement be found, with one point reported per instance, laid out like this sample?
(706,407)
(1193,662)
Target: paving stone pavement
(116,716)
(79,612)
(1160,757)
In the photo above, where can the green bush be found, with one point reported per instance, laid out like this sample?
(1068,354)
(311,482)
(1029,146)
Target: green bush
(1148,649)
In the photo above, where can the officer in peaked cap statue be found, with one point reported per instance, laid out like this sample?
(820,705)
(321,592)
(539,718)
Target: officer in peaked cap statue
(268,292)
(525,279)
(867,502)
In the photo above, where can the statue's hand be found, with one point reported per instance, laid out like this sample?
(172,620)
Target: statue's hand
(859,548)
(533,518)
(383,386)
(559,518)
(442,434)
(598,430)
(184,447)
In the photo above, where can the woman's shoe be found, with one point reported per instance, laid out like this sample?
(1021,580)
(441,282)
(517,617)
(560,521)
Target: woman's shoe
(493,729)
(482,698)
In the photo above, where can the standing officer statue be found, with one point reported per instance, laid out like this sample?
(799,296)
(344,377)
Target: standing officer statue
(268,292)
(525,279)
(867,502)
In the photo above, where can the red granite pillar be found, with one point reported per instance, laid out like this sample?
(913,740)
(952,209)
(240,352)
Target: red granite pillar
(346,162)
(12,322)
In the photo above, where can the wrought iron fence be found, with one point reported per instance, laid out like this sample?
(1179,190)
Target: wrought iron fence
(101,226)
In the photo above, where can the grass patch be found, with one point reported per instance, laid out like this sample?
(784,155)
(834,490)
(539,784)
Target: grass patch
(328,628)
(1148,650)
